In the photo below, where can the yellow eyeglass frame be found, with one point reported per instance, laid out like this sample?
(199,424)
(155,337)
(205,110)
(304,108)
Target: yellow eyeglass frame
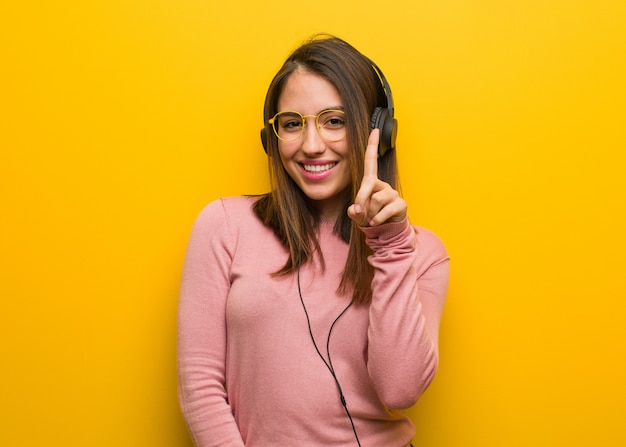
(272,122)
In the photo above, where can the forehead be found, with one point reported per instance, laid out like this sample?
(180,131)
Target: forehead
(308,93)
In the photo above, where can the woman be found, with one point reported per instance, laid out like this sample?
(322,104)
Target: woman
(309,316)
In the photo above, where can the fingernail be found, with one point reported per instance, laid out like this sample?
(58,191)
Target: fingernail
(357,208)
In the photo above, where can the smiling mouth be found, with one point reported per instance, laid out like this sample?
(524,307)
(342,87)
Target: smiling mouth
(318,168)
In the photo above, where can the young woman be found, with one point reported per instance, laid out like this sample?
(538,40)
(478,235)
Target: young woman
(309,316)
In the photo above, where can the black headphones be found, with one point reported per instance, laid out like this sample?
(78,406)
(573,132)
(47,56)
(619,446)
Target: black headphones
(382,118)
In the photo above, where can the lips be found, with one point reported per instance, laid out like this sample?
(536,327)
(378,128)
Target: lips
(316,171)
(317,168)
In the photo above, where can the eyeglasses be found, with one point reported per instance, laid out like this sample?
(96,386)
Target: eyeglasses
(289,125)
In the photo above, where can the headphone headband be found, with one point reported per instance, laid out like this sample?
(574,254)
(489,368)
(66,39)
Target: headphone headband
(383,119)
(386,88)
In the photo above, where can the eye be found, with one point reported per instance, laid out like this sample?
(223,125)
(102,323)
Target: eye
(333,119)
(290,122)
(291,125)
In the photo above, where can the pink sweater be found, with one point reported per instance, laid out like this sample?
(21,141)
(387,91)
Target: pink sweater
(248,371)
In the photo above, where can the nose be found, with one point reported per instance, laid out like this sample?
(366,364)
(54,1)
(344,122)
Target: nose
(312,142)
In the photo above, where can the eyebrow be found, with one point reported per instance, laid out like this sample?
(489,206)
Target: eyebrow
(342,108)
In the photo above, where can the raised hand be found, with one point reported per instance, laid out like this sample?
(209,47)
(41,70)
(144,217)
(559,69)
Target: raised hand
(376,202)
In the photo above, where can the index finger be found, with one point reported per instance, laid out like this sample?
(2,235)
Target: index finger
(370,163)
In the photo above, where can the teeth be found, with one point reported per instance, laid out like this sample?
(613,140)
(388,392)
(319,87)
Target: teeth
(318,168)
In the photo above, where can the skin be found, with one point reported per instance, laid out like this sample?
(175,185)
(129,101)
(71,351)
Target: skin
(376,201)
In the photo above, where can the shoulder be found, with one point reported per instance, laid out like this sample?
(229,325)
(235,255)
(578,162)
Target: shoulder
(229,209)
(428,240)
(230,217)
(430,248)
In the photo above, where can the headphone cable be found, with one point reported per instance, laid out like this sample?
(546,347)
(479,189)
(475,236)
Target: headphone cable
(329,363)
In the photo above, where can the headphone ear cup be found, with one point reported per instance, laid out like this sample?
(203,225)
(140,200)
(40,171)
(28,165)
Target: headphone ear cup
(388,127)
(264,139)
(375,118)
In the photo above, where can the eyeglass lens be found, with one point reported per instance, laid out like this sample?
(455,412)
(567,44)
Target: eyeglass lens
(288,126)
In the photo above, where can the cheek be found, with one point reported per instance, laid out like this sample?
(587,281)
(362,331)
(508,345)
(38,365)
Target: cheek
(347,165)
(285,151)
(341,148)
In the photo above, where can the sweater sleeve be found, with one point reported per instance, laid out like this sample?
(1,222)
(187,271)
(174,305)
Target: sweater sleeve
(201,340)
(411,270)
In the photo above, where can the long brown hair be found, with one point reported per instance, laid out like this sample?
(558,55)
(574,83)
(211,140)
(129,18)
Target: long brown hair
(286,209)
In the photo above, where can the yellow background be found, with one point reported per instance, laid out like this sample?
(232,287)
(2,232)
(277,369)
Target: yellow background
(120,119)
